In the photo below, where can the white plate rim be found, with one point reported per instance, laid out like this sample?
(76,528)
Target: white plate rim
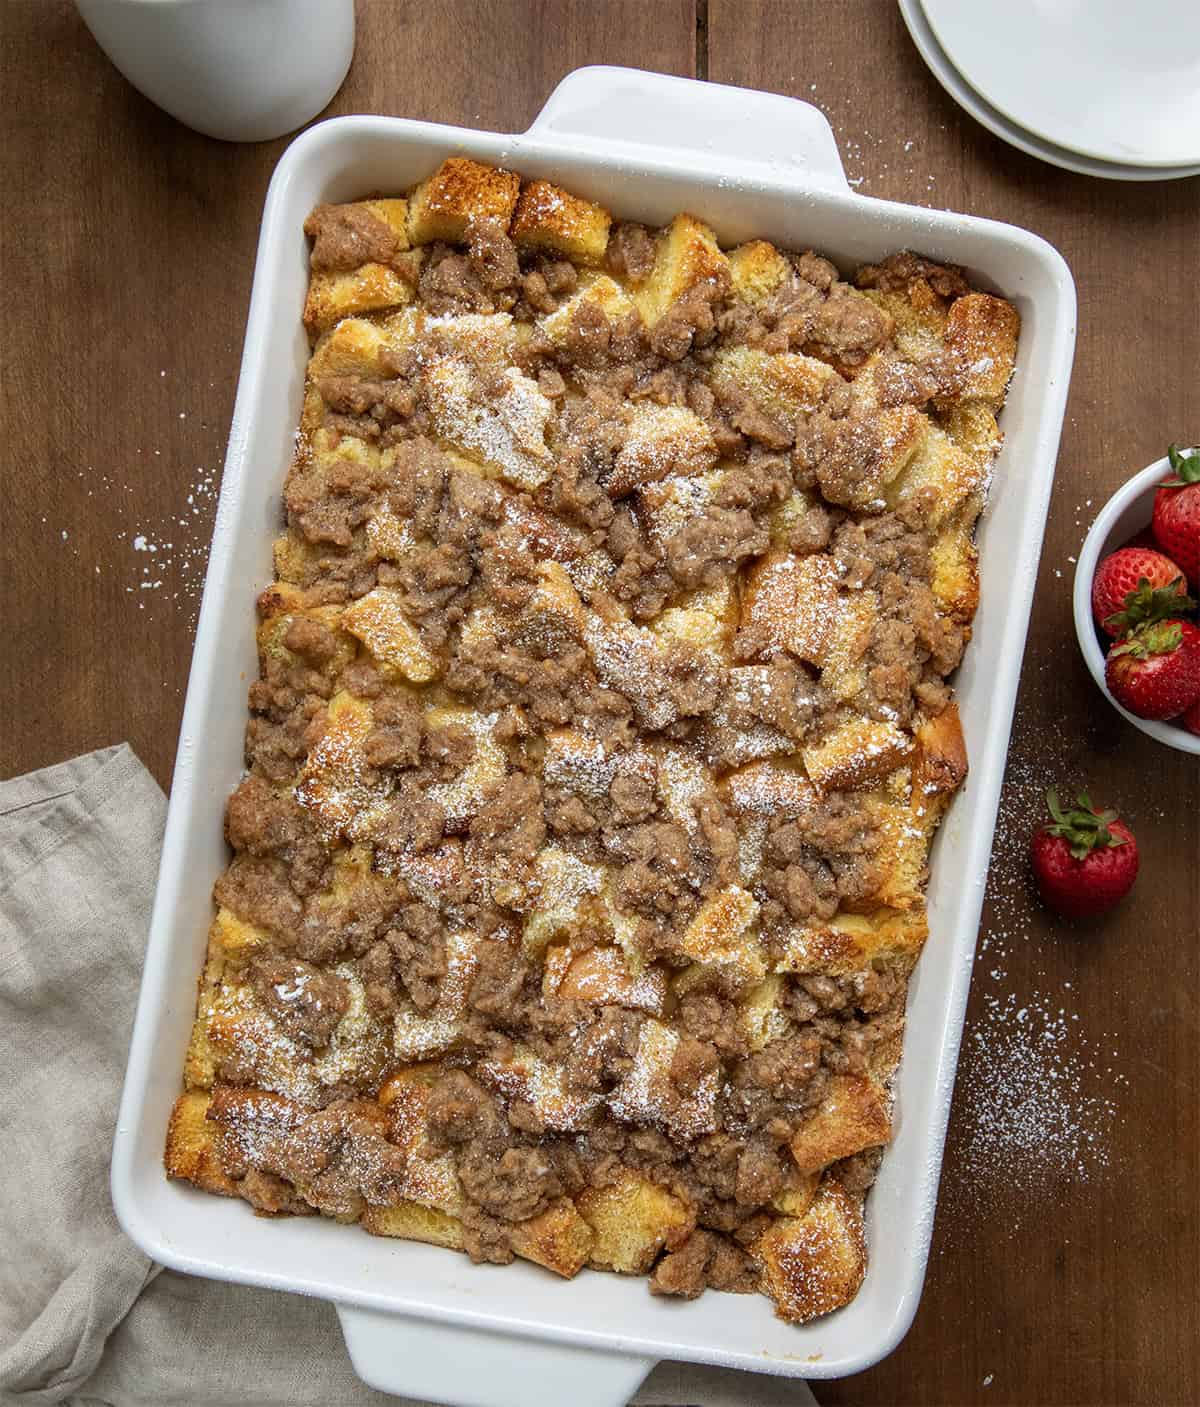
(975,105)
(1007,113)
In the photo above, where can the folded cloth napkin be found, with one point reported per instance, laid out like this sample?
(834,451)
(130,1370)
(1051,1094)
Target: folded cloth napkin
(85,1317)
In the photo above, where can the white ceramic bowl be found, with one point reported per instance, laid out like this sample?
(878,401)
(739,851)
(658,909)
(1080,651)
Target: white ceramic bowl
(1127,512)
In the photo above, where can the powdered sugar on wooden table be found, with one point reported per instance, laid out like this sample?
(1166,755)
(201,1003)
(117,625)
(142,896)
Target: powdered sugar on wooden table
(1039,1091)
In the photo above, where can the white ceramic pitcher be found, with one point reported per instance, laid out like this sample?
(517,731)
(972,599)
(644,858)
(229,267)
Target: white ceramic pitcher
(241,70)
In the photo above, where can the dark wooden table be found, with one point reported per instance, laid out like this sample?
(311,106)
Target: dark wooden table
(1066,1255)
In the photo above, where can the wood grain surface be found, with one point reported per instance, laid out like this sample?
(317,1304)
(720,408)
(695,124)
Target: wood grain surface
(1066,1252)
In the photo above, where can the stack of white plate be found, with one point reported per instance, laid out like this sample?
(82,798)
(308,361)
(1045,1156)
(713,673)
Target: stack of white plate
(1104,87)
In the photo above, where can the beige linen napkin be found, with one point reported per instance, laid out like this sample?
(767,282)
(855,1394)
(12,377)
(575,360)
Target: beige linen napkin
(85,1318)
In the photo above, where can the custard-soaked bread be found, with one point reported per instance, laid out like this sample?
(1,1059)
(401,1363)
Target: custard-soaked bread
(548,217)
(601,731)
(458,193)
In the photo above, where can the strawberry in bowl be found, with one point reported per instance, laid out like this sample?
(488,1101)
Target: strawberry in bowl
(1154,671)
(1134,585)
(1176,519)
(1128,584)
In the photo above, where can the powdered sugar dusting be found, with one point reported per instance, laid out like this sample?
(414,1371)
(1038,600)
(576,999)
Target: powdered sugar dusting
(1039,1090)
(1040,1096)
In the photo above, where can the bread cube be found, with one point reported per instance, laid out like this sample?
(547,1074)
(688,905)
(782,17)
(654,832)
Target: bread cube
(565,887)
(768,789)
(548,217)
(696,630)
(761,1018)
(972,426)
(849,943)
(757,270)
(940,763)
(378,620)
(601,977)
(687,255)
(785,385)
(554,613)
(296,560)
(852,626)
(856,755)
(422,1035)
(336,783)
(723,933)
(954,560)
(191,1151)
(730,738)
(815,1263)
(544,1087)
(236,940)
(981,333)
(648,1095)
(869,456)
(429,1178)
(795,1201)
(669,505)
(597,291)
(942,473)
(282,604)
(431,875)
(920,318)
(390,536)
(460,191)
(631,659)
(463,797)
(578,762)
(558,1238)
(790,603)
(506,433)
(354,347)
(681,781)
(547,535)
(410,1221)
(633,1219)
(661,442)
(334,295)
(852,1116)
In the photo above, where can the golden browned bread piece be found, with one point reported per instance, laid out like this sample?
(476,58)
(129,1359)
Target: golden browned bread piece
(458,192)
(602,729)
(686,257)
(632,1220)
(360,264)
(191,1152)
(814,1263)
(548,217)
(851,1117)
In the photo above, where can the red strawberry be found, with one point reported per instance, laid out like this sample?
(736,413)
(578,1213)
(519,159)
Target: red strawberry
(1134,585)
(1084,860)
(1190,718)
(1155,670)
(1176,521)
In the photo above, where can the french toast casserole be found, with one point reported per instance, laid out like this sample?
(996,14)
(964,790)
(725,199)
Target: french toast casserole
(601,732)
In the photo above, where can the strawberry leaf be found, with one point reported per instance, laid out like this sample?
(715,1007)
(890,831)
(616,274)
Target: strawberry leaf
(1083,827)
(1186,464)
(1147,604)
(1157,638)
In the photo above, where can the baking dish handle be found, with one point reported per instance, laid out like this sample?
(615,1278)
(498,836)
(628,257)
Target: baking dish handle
(468,1367)
(695,124)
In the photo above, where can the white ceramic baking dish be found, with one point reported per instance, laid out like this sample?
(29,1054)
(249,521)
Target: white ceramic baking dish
(423,1321)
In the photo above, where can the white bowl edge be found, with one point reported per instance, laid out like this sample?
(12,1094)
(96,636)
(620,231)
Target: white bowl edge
(1119,519)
